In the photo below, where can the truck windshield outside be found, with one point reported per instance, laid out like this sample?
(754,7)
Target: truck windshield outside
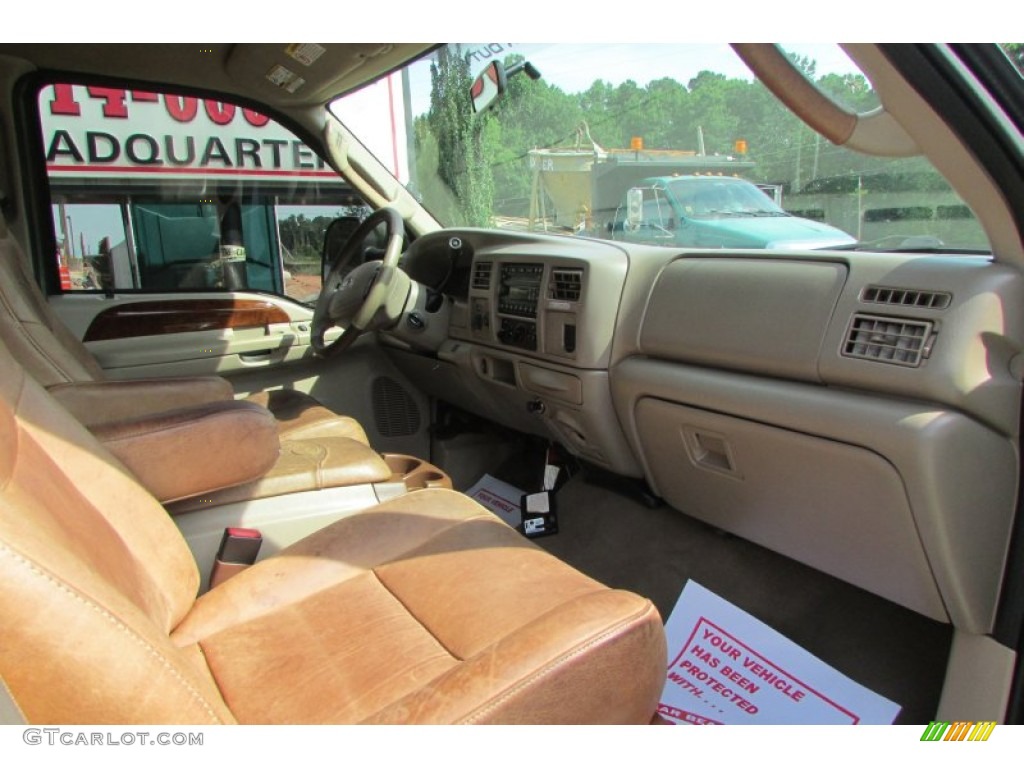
(610,138)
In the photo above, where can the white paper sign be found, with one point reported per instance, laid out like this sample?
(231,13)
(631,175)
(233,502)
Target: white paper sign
(726,667)
(499,497)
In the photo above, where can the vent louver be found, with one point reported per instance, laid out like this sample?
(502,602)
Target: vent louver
(888,340)
(566,284)
(906,297)
(482,275)
(394,409)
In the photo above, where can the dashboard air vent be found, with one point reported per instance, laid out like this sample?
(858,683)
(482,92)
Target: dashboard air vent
(889,340)
(482,275)
(906,297)
(566,284)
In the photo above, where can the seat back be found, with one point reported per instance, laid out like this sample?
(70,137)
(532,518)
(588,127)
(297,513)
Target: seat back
(92,568)
(31,329)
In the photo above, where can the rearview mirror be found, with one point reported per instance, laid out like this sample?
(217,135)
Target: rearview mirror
(492,82)
(488,86)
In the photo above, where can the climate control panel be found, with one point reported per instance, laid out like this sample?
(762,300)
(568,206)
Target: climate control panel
(518,333)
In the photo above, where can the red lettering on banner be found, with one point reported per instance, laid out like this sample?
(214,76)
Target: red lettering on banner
(113,101)
(254,118)
(181,108)
(219,112)
(63,101)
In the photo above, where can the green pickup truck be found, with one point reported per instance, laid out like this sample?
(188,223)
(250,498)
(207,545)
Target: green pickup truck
(715,212)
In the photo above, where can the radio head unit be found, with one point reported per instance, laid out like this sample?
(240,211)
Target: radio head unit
(519,289)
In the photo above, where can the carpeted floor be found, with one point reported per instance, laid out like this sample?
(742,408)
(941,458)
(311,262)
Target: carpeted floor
(624,544)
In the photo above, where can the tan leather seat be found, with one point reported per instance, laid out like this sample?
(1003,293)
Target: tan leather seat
(59,361)
(426,609)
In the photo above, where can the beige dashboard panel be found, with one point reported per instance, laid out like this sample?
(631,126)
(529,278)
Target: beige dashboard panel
(934,470)
(761,316)
(544,381)
(838,508)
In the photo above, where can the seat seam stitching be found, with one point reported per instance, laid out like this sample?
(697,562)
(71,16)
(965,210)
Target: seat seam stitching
(22,330)
(418,620)
(106,614)
(554,664)
(22,324)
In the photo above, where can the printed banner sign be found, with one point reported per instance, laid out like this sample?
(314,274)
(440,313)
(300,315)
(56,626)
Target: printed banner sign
(728,668)
(93,132)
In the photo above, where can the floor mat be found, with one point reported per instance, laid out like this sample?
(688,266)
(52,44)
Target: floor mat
(654,552)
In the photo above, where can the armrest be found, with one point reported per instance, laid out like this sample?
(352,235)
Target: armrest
(100,402)
(304,465)
(188,452)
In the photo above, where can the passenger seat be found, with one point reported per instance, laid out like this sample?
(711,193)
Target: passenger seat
(425,609)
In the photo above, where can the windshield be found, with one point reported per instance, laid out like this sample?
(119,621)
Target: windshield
(601,125)
(700,197)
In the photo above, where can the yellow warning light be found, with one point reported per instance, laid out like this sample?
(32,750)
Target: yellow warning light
(740,146)
(636,143)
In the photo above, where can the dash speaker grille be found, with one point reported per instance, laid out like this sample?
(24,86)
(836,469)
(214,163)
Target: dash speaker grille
(394,409)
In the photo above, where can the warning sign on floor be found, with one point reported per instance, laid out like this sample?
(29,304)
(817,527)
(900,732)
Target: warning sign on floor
(499,497)
(726,667)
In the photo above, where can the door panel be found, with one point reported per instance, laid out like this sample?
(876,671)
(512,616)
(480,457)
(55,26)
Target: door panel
(256,341)
(152,318)
(182,335)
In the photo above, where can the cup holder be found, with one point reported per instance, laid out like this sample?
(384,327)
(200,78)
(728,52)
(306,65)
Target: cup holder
(415,473)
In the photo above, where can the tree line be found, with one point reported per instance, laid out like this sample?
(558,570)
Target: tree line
(302,237)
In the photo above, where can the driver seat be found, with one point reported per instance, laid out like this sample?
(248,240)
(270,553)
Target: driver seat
(59,361)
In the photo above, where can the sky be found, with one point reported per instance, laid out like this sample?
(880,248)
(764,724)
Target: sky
(574,66)
(375,114)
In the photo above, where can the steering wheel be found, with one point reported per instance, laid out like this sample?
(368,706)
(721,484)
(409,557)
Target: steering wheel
(352,300)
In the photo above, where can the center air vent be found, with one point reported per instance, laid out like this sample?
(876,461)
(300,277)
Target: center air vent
(906,297)
(566,284)
(482,275)
(889,340)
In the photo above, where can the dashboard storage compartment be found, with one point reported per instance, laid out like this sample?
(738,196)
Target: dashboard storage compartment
(836,507)
(544,381)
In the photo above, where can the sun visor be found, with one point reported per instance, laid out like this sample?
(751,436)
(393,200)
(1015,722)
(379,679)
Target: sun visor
(312,73)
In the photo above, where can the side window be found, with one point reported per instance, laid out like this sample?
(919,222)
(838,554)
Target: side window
(163,192)
(657,211)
